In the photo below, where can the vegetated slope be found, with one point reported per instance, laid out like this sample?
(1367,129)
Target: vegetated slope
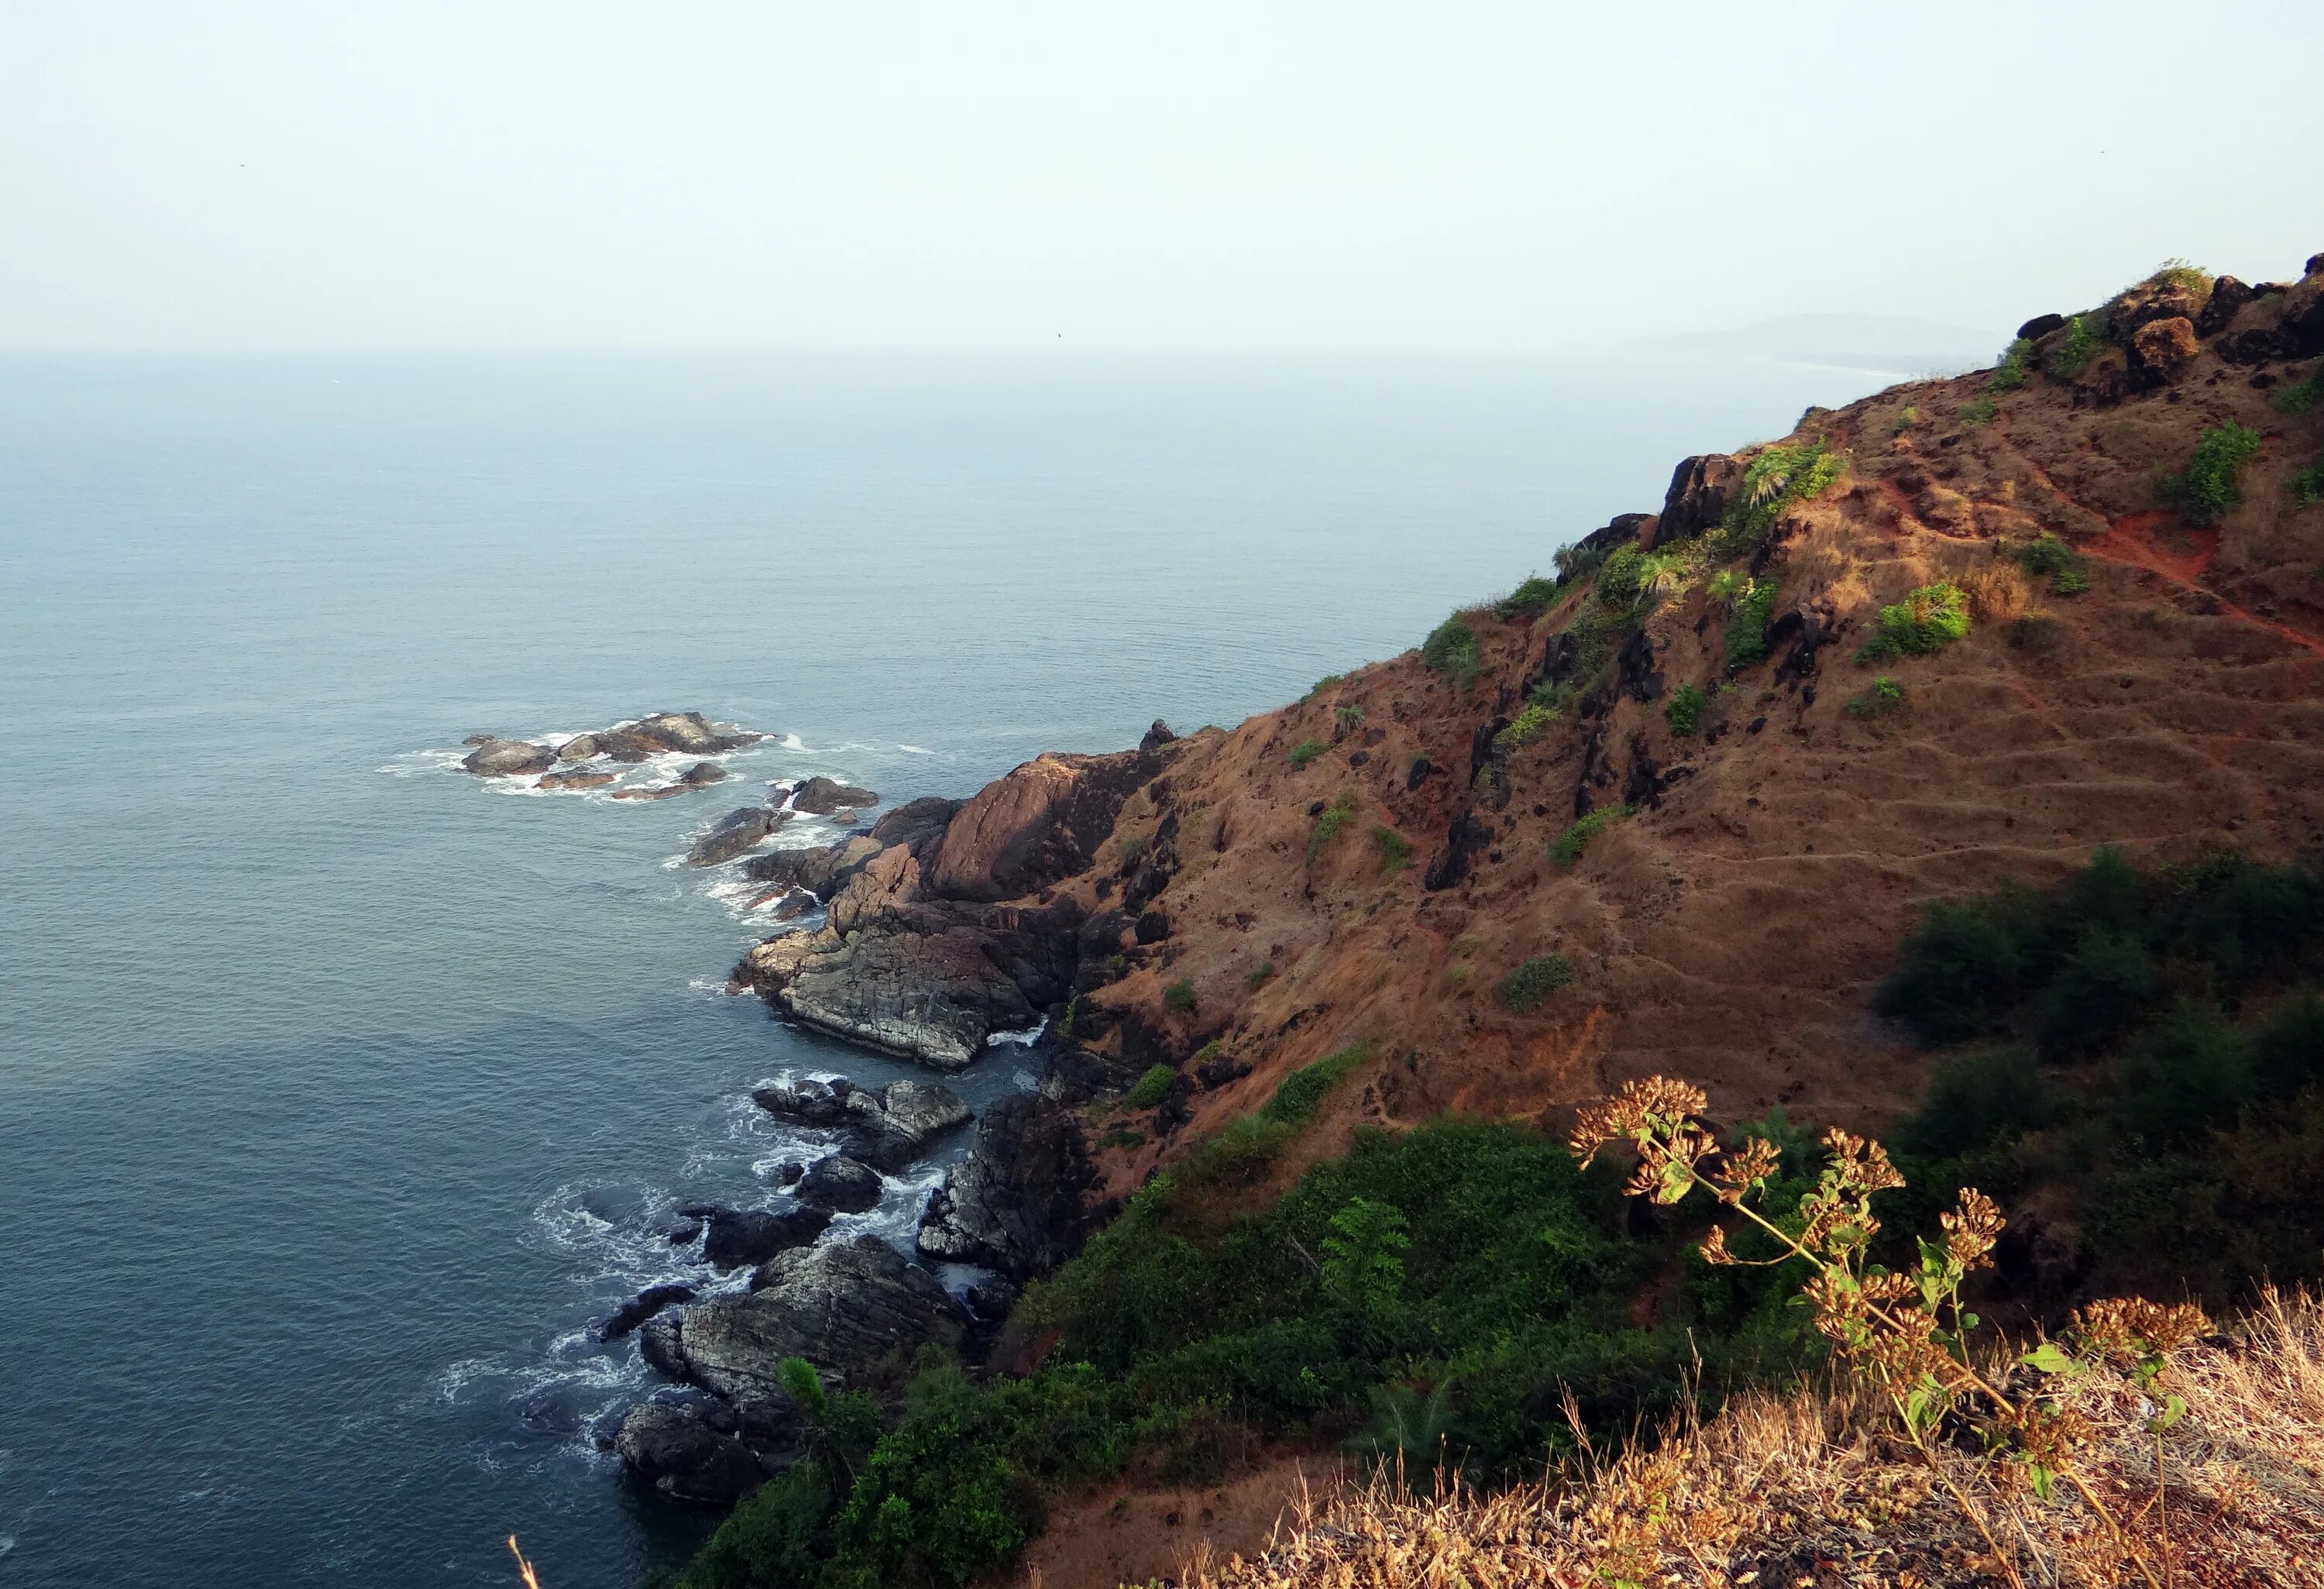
(2116,524)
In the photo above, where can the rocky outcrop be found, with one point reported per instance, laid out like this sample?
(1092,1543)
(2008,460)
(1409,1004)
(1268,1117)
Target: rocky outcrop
(885,1127)
(1041,823)
(822,871)
(691,733)
(736,1238)
(1697,498)
(917,825)
(579,748)
(2161,350)
(842,1306)
(640,1307)
(678,1449)
(820,796)
(507,758)
(1014,1203)
(737,831)
(702,774)
(574,778)
(922,987)
(841,1184)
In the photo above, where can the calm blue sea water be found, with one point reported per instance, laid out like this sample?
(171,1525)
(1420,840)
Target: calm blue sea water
(338,1091)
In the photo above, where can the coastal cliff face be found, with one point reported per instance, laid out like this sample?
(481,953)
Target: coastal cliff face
(1377,860)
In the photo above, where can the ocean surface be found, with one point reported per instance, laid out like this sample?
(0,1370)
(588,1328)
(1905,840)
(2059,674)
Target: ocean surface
(341,1092)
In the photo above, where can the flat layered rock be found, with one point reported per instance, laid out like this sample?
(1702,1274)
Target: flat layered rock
(506,758)
(932,996)
(733,833)
(820,796)
(885,1127)
(822,870)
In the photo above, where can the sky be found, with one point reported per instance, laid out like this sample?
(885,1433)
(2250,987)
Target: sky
(1444,177)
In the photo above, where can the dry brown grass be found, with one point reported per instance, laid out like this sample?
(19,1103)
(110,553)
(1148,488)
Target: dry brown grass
(1816,1488)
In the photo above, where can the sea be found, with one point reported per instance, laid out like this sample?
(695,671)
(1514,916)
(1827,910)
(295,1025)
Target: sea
(341,1092)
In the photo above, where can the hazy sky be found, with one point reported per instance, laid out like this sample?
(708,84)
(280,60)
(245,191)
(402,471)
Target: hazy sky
(983,173)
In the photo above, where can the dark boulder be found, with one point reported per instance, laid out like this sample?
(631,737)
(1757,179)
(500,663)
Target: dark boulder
(2160,352)
(2039,326)
(885,1127)
(1157,736)
(1014,1203)
(1697,498)
(925,988)
(702,774)
(2229,294)
(507,758)
(917,825)
(1044,821)
(574,778)
(1635,668)
(739,830)
(640,1307)
(846,1184)
(579,748)
(820,796)
(1462,841)
(672,1446)
(691,733)
(623,744)
(822,871)
(738,1237)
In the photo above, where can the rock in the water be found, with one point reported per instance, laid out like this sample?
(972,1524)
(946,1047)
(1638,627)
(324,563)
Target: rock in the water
(575,778)
(917,825)
(740,1237)
(822,871)
(505,758)
(885,1127)
(841,1304)
(702,774)
(932,996)
(820,796)
(640,1307)
(672,1446)
(625,745)
(579,748)
(659,791)
(692,732)
(840,1183)
(1014,1204)
(734,832)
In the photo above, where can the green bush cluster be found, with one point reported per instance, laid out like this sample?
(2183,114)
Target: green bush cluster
(1566,848)
(2209,486)
(1684,710)
(1180,995)
(1305,751)
(1333,819)
(2016,364)
(2084,340)
(1882,697)
(2301,396)
(2142,1052)
(1530,599)
(1925,621)
(2307,486)
(1772,482)
(1528,987)
(1346,717)
(1533,719)
(1451,652)
(1746,623)
(1979,410)
(1394,849)
(1150,1088)
(2048,556)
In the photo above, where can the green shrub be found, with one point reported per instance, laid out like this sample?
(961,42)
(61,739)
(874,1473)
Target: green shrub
(2016,363)
(1531,720)
(1329,681)
(1577,562)
(1150,1089)
(2084,339)
(1259,976)
(1557,699)
(1925,621)
(1347,718)
(2037,633)
(1394,849)
(1305,751)
(1299,1094)
(1772,482)
(2307,487)
(1529,600)
(1122,1136)
(1527,988)
(1978,409)
(1451,652)
(2207,488)
(2299,397)
(1684,711)
(1882,697)
(1567,847)
(1334,817)
(1908,417)
(1180,995)
(1746,623)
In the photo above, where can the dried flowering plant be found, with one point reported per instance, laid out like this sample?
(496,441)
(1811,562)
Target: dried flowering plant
(1906,1331)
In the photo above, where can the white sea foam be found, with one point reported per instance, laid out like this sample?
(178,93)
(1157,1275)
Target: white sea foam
(914,750)
(1023,1039)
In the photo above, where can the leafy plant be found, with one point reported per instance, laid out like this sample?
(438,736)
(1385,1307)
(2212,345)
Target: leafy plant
(1533,719)
(1329,681)
(1258,976)
(2307,486)
(1180,995)
(1979,410)
(1530,599)
(2084,339)
(1778,478)
(1908,417)
(1746,623)
(2208,487)
(1927,620)
(1567,847)
(1883,696)
(2016,363)
(1334,817)
(1150,1088)
(2037,633)
(1347,718)
(2299,397)
(1528,987)
(1684,711)
(1305,751)
(1394,849)
(1298,1094)
(1451,652)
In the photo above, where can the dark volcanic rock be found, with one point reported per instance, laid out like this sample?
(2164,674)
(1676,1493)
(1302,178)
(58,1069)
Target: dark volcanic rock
(1157,736)
(740,1236)
(1697,498)
(2228,295)
(1462,841)
(692,732)
(841,1304)
(885,1127)
(1015,1204)
(840,1183)
(736,832)
(574,778)
(917,825)
(820,796)
(673,1446)
(703,773)
(2160,350)
(1043,822)
(579,748)
(624,744)
(2039,326)
(934,996)
(822,871)
(640,1307)
(505,758)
